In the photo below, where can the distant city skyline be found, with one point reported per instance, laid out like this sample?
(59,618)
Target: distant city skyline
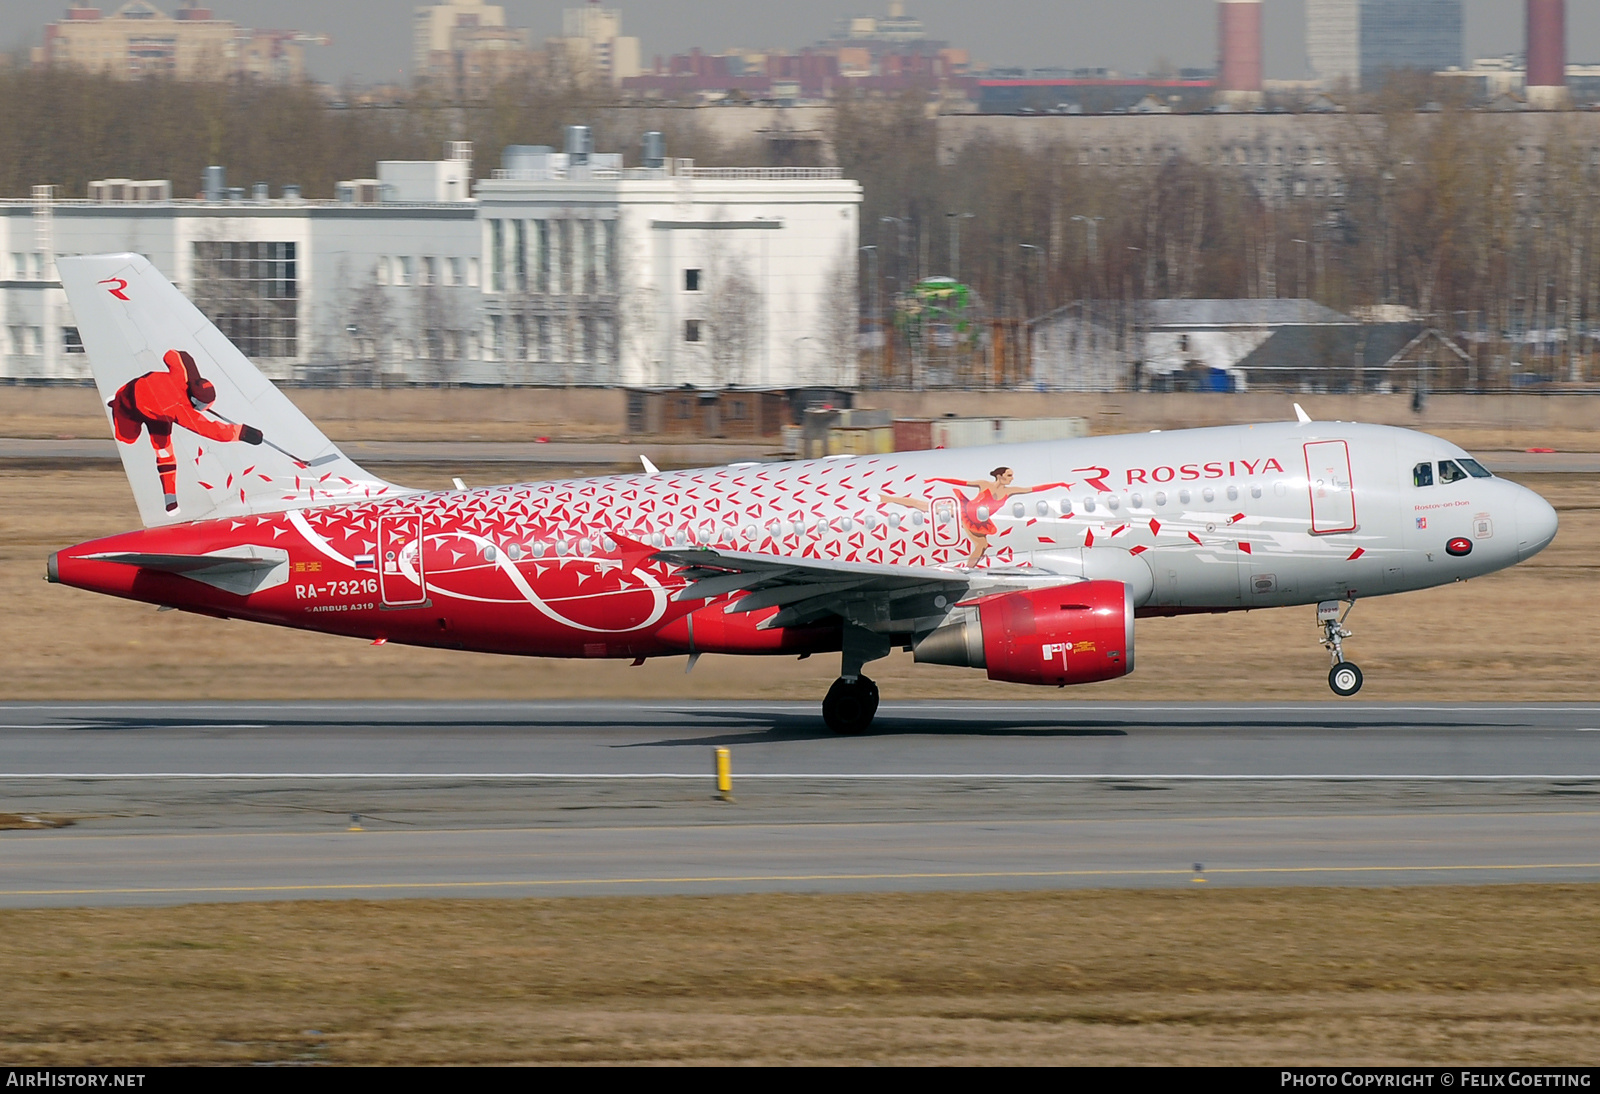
(372,38)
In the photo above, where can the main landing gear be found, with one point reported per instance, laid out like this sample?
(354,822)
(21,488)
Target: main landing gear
(1345,677)
(850,706)
(853,700)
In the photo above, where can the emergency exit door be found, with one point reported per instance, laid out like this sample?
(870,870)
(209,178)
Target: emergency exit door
(945,517)
(401,580)
(1333,500)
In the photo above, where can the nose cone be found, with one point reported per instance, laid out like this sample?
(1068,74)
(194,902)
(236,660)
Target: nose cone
(1536,524)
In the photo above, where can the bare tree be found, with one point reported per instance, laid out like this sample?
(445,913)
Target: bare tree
(839,321)
(437,320)
(733,314)
(366,329)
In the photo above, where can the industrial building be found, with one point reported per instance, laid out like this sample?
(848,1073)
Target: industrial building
(1239,52)
(1358,42)
(561,268)
(1547,54)
(1229,345)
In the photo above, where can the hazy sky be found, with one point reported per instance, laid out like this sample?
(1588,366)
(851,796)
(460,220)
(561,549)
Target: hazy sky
(372,38)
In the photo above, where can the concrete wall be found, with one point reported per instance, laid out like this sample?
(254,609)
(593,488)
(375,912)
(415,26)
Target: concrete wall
(1126,413)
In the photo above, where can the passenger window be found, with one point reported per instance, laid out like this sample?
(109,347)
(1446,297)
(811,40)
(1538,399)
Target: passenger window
(1449,472)
(1422,475)
(1474,468)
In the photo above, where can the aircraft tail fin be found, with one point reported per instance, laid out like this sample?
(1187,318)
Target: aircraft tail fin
(201,432)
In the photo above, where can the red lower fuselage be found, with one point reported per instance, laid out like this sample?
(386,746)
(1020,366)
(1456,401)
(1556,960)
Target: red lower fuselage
(460,570)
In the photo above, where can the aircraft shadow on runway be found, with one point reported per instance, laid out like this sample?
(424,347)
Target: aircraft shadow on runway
(766,727)
(762,726)
(769,725)
(762,723)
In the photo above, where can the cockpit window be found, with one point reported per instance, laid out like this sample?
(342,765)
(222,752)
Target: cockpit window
(1474,468)
(1450,472)
(1422,474)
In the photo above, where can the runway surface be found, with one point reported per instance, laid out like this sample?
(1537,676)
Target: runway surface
(246,801)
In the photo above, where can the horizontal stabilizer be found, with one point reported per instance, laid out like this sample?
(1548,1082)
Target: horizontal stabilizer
(238,570)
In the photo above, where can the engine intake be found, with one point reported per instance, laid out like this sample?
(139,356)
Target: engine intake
(1069,634)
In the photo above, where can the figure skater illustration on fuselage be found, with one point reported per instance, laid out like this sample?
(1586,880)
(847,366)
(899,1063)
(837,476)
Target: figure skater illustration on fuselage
(977,513)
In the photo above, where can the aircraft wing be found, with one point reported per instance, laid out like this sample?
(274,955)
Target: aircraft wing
(808,589)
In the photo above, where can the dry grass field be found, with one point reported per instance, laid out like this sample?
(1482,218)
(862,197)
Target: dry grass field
(1500,974)
(1522,634)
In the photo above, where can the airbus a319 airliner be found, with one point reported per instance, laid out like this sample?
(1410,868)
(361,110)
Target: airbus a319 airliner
(1029,561)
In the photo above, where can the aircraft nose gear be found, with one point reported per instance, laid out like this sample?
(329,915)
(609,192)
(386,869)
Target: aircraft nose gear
(850,705)
(1345,677)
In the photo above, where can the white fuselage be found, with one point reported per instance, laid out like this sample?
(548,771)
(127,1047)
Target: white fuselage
(1200,519)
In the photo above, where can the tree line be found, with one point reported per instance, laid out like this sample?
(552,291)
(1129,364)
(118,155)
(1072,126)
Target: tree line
(1443,211)
(1481,226)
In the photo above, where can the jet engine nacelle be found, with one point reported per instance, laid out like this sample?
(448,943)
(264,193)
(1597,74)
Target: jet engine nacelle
(1068,634)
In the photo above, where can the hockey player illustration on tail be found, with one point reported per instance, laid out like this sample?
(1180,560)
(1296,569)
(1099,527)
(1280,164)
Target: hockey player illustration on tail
(157,401)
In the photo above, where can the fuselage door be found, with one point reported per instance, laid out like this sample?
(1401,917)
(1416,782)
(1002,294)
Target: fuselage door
(1333,500)
(401,579)
(945,514)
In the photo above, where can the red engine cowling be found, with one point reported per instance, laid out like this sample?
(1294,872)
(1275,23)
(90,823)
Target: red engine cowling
(1070,634)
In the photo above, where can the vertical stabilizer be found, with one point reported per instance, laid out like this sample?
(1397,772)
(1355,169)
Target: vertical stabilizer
(201,432)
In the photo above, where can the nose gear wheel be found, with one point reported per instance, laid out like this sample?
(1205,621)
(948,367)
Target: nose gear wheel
(1345,677)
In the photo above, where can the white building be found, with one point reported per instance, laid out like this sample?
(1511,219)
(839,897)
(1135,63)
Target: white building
(1333,41)
(672,275)
(555,272)
(435,25)
(594,45)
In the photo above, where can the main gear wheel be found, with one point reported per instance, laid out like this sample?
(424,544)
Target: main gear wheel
(850,706)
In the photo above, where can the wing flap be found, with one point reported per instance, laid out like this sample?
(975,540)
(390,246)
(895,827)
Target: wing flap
(869,594)
(806,589)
